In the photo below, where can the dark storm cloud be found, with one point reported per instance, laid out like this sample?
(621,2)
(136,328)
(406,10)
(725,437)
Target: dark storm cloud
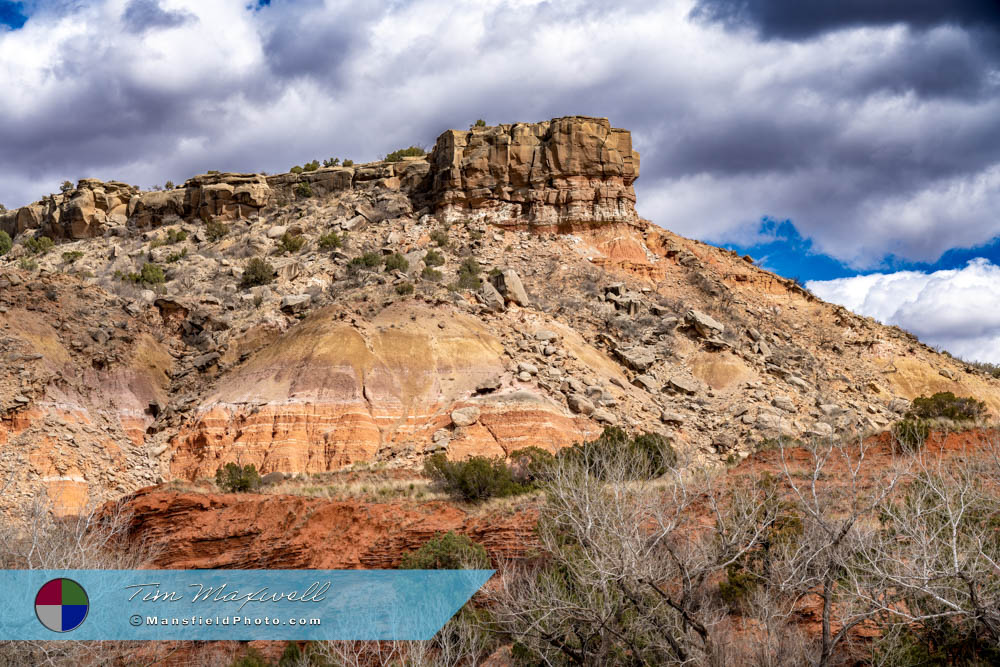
(143,15)
(799,19)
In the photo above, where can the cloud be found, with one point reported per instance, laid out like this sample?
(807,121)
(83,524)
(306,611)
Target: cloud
(143,15)
(954,309)
(878,138)
(796,19)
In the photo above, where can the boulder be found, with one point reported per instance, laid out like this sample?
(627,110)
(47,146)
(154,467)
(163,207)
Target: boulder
(580,404)
(703,324)
(684,385)
(491,298)
(295,303)
(465,416)
(508,284)
(639,359)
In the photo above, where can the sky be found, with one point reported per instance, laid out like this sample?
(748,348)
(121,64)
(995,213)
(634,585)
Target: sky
(854,145)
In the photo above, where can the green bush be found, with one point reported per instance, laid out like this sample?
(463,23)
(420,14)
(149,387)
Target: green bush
(348,163)
(404,289)
(257,272)
(303,190)
(67,186)
(330,241)
(440,237)
(231,478)
(475,479)
(447,551)
(653,451)
(28,264)
(177,256)
(396,262)
(480,123)
(69,256)
(945,404)
(292,243)
(215,230)
(433,258)
(296,170)
(412,151)
(369,260)
(39,245)
(909,435)
(169,185)
(430,274)
(149,274)
(331,162)
(468,274)
(5,243)
(531,465)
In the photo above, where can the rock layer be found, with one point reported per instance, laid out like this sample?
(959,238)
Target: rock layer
(566,171)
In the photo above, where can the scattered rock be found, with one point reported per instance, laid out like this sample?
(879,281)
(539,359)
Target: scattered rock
(684,385)
(705,326)
(525,367)
(508,284)
(646,382)
(491,298)
(639,359)
(604,417)
(465,416)
(784,403)
(295,303)
(580,404)
(671,417)
(488,386)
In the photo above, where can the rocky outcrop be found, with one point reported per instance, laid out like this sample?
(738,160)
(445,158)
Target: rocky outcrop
(285,531)
(79,213)
(567,171)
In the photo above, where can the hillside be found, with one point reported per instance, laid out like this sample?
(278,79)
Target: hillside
(499,292)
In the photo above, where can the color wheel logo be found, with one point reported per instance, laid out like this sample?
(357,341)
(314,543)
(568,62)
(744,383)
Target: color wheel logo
(61,605)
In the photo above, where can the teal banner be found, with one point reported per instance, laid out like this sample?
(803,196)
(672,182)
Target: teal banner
(232,604)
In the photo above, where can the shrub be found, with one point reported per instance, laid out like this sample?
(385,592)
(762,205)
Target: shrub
(303,190)
(330,241)
(257,272)
(396,262)
(653,451)
(369,260)
(480,123)
(28,264)
(215,230)
(909,435)
(398,155)
(292,243)
(474,479)
(468,274)
(433,258)
(430,274)
(447,551)
(946,404)
(71,256)
(169,185)
(296,170)
(311,166)
(66,186)
(5,243)
(531,465)
(331,162)
(39,245)
(404,289)
(440,237)
(348,163)
(177,256)
(231,478)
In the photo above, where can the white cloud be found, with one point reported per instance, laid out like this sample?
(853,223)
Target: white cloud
(955,309)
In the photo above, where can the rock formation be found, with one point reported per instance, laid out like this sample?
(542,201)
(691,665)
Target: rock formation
(567,171)
(409,308)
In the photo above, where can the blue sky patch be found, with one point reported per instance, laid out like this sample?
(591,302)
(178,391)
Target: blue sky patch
(12,14)
(784,251)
